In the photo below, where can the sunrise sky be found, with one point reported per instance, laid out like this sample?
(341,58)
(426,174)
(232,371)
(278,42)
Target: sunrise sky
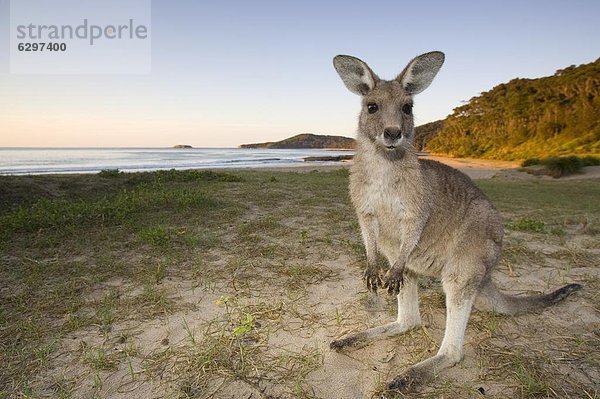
(231,72)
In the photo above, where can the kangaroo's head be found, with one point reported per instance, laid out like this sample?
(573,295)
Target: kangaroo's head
(386,118)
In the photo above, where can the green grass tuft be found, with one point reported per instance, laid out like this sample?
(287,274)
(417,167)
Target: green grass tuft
(560,166)
(108,173)
(183,176)
(530,162)
(155,236)
(528,224)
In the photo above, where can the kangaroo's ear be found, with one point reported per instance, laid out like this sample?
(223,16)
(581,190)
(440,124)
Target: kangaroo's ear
(419,73)
(356,75)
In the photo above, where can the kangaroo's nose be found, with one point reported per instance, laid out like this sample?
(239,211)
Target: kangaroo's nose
(391,133)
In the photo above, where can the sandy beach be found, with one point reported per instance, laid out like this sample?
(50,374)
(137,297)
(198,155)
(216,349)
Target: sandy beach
(474,168)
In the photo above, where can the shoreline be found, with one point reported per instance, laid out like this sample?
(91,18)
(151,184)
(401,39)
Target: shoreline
(473,167)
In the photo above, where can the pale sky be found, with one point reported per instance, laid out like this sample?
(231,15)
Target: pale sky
(225,73)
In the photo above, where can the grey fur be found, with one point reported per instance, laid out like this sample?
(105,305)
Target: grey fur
(356,75)
(424,217)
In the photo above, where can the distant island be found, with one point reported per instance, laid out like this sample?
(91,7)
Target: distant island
(182,146)
(308,140)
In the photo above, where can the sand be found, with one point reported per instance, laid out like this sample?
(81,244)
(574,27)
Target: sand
(474,168)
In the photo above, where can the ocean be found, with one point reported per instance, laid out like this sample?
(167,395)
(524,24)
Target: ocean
(20,161)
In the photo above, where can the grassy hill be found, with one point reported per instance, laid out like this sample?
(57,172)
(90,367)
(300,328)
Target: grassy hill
(425,133)
(307,140)
(524,118)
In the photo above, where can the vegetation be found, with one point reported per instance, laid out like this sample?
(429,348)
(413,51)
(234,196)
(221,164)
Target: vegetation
(108,173)
(198,284)
(525,118)
(425,133)
(307,140)
(559,166)
(528,224)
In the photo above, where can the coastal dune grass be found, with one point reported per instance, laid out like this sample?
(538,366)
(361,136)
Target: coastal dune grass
(559,166)
(84,256)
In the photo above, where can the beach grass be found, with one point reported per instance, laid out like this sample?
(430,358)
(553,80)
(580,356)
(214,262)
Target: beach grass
(226,283)
(559,166)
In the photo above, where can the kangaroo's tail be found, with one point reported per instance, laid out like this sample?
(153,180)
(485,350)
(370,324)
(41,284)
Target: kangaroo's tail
(490,298)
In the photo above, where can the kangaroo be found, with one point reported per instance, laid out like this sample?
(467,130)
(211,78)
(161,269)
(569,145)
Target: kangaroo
(424,217)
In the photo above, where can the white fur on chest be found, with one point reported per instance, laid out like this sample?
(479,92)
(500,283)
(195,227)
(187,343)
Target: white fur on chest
(387,195)
(383,198)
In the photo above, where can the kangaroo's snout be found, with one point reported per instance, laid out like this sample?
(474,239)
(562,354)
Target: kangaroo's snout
(392,133)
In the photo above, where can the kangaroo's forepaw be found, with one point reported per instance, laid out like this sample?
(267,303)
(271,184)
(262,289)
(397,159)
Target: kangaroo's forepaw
(393,280)
(371,276)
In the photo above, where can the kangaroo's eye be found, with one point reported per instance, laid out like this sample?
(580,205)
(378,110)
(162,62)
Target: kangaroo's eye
(372,108)
(407,109)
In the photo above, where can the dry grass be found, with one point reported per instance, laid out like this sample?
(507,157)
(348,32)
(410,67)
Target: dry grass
(205,285)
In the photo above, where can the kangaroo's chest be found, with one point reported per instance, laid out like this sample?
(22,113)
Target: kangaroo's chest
(382,197)
(385,200)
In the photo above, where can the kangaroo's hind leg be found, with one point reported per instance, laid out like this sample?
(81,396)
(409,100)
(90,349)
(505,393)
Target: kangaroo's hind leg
(460,295)
(408,318)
